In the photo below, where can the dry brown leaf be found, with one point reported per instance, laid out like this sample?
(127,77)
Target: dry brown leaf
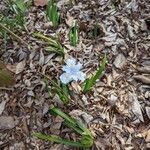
(40,2)
(11,68)
(136,107)
(120,61)
(69,20)
(20,66)
(2,106)
(142,78)
(6,76)
(148,111)
(146,135)
(145,69)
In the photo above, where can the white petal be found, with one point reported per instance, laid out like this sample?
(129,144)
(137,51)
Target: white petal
(65,68)
(65,78)
(81,76)
(71,62)
(74,77)
(79,66)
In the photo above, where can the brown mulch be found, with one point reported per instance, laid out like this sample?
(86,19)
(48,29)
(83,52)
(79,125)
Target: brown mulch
(117,110)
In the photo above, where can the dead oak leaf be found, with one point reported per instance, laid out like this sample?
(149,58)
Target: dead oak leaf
(40,2)
(6,76)
(20,66)
(136,107)
(17,68)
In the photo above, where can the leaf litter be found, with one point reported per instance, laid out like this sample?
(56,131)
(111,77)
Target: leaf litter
(117,111)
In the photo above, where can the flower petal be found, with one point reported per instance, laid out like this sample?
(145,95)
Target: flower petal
(79,66)
(71,62)
(66,68)
(74,77)
(81,76)
(65,78)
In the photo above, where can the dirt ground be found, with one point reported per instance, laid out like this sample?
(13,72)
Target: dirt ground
(117,110)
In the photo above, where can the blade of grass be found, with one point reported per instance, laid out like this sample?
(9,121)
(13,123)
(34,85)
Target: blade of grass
(52,13)
(48,39)
(71,122)
(86,140)
(57,139)
(54,45)
(54,50)
(63,115)
(73,35)
(62,91)
(91,81)
(73,126)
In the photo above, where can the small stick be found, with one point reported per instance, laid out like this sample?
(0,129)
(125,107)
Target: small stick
(13,34)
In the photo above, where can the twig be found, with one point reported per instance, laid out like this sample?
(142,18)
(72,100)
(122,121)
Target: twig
(13,34)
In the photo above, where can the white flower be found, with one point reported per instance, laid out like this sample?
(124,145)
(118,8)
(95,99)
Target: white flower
(72,71)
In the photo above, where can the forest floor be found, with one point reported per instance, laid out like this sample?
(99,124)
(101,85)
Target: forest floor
(116,110)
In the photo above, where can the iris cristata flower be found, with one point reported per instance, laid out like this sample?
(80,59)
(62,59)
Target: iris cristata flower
(72,71)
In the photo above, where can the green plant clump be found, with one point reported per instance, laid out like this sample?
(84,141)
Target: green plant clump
(86,136)
(18,8)
(52,13)
(89,83)
(53,45)
(61,90)
(74,35)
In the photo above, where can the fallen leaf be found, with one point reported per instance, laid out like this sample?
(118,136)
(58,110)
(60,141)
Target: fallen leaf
(2,106)
(78,113)
(136,107)
(6,76)
(148,111)
(7,122)
(148,136)
(41,60)
(69,20)
(40,2)
(11,67)
(142,78)
(2,65)
(20,66)
(145,69)
(120,61)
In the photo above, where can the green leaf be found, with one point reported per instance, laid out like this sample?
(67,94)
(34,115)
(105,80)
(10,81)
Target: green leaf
(52,13)
(62,114)
(21,5)
(54,45)
(18,8)
(86,139)
(88,84)
(57,139)
(71,122)
(62,91)
(74,35)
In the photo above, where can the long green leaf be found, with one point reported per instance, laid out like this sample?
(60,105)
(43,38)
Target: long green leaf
(62,91)
(57,139)
(91,81)
(53,44)
(86,139)
(63,115)
(74,35)
(52,13)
